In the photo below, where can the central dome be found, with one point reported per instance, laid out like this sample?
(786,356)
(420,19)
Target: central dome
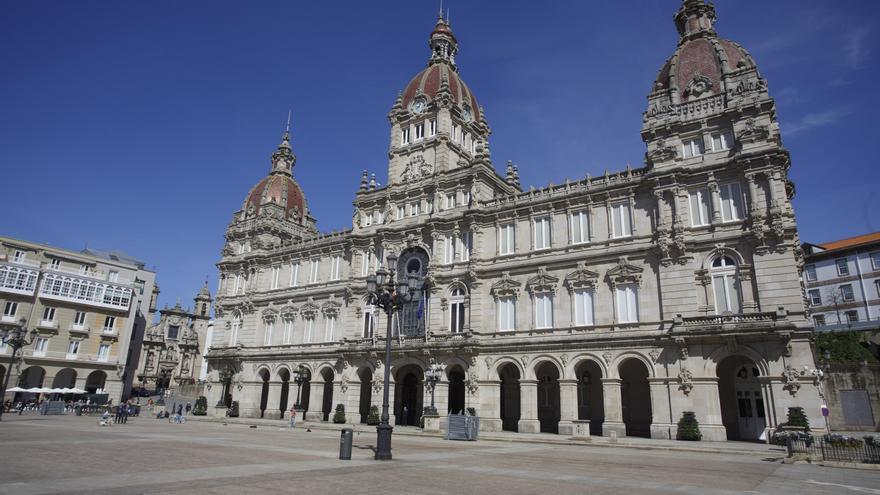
(281,190)
(427,82)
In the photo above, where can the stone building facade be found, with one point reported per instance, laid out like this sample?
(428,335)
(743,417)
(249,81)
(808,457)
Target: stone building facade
(623,299)
(90,309)
(172,352)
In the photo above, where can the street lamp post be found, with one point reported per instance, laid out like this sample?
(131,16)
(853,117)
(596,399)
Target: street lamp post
(15,337)
(384,294)
(432,376)
(299,377)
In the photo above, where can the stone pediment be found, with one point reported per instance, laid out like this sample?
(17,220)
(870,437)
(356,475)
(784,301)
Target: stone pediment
(506,286)
(625,273)
(543,282)
(331,307)
(288,312)
(581,278)
(269,314)
(309,309)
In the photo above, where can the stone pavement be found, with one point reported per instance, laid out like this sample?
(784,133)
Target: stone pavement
(63,454)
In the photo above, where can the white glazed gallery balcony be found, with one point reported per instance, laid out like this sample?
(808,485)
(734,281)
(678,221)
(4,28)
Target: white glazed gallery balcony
(83,290)
(16,278)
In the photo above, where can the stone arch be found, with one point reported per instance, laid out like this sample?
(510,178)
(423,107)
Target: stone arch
(570,370)
(283,373)
(547,372)
(615,365)
(589,373)
(281,368)
(635,395)
(456,374)
(500,362)
(721,251)
(34,376)
(457,284)
(96,380)
(456,361)
(365,379)
(409,391)
(397,364)
(509,374)
(328,374)
(65,378)
(742,394)
(264,374)
(710,364)
(541,358)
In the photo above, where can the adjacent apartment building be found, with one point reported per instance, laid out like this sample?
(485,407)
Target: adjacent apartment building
(90,309)
(842,280)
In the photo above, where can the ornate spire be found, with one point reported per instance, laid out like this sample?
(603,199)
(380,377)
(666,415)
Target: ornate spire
(695,18)
(283,158)
(443,44)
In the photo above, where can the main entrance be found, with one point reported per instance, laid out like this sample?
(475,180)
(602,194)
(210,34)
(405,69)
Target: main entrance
(548,397)
(509,402)
(408,395)
(742,398)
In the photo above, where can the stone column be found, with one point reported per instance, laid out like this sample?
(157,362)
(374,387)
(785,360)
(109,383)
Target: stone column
(568,406)
(490,405)
(274,398)
(528,407)
(316,400)
(715,195)
(248,398)
(352,402)
(662,425)
(613,407)
(754,212)
(441,398)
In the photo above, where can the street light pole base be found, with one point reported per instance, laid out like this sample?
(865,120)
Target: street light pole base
(383,442)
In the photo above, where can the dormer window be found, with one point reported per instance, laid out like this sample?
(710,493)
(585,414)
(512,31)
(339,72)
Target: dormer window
(404,136)
(692,147)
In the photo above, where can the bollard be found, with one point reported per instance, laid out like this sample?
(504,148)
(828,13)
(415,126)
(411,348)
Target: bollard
(345,444)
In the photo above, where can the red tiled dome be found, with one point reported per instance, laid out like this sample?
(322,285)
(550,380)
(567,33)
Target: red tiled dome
(701,58)
(280,189)
(427,82)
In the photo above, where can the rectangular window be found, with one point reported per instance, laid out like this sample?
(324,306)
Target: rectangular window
(543,311)
(580,227)
(852,316)
(722,140)
(40,346)
(628,303)
(456,317)
(415,209)
(433,127)
(173,331)
(726,293)
(583,307)
(692,147)
(269,330)
(420,131)
(731,202)
(621,221)
(404,136)
(846,292)
(875,260)
(113,276)
(329,328)
(819,320)
(810,271)
(335,264)
(699,207)
(103,352)
(450,201)
(401,212)
(48,315)
(288,331)
(450,249)
(365,264)
(368,219)
(276,274)
(369,322)
(506,239)
(506,314)
(308,330)
(294,274)
(465,244)
(109,324)
(815,297)
(313,271)
(9,311)
(55,264)
(79,320)
(454,132)
(877,287)
(19,256)
(842,267)
(72,349)
(83,269)
(542,233)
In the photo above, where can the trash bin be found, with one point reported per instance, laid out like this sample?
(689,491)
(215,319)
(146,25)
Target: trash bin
(345,444)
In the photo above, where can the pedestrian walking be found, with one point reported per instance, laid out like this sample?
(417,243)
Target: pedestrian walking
(405,415)
(118,417)
(180,409)
(188,407)
(293,418)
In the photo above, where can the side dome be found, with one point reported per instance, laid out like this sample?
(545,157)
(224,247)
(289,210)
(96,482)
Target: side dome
(281,190)
(701,61)
(427,83)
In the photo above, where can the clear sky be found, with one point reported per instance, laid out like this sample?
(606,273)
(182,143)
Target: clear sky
(141,126)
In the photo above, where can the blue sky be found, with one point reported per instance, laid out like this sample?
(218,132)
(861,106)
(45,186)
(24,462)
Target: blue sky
(141,126)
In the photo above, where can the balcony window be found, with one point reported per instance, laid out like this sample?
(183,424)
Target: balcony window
(450,201)
(62,287)
(72,349)
(329,328)
(109,324)
(846,293)
(55,264)
(506,239)
(583,307)
(692,147)
(369,327)
(506,314)
(731,202)
(810,271)
(450,249)
(79,320)
(621,220)
(627,303)
(580,227)
(9,311)
(543,310)
(40,346)
(456,311)
(725,285)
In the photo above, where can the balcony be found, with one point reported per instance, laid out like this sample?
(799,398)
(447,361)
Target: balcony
(18,279)
(81,290)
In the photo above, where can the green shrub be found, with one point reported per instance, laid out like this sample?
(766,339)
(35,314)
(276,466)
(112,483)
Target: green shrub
(339,415)
(843,347)
(688,427)
(233,410)
(373,416)
(201,407)
(797,418)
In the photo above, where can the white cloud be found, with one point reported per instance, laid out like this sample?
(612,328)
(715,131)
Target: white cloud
(814,120)
(854,46)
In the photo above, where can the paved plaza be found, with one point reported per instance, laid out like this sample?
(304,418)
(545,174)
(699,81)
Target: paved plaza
(153,456)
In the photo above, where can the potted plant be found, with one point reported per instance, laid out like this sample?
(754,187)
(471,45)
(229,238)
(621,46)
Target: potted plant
(201,407)
(233,410)
(373,416)
(688,427)
(339,415)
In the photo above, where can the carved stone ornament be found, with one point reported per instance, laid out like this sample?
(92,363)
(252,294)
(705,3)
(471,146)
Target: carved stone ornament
(606,356)
(662,152)
(790,380)
(416,168)
(377,385)
(543,282)
(685,381)
(625,273)
(343,384)
(472,383)
(506,286)
(525,359)
(489,362)
(753,132)
(581,278)
(698,86)
(655,355)
(564,359)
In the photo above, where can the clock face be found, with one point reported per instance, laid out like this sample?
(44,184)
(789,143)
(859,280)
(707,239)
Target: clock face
(466,113)
(418,106)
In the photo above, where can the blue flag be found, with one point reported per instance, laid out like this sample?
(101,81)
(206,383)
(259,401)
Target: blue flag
(421,310)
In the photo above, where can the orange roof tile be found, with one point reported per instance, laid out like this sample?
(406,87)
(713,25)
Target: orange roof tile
(852,241)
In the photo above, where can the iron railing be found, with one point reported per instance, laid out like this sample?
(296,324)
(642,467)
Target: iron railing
(819,449)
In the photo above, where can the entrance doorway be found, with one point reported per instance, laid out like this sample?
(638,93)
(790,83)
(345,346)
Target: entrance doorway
(456,391)
(285,391)
(306,391)
(548,397)
(327,402)
(591,404)
(264,392)
(635,395)
(509,376)
(366,377)
(408,395)
(742,398)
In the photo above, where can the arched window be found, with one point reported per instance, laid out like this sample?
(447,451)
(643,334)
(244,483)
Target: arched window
(234,329)
(456,311)
(725,285)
